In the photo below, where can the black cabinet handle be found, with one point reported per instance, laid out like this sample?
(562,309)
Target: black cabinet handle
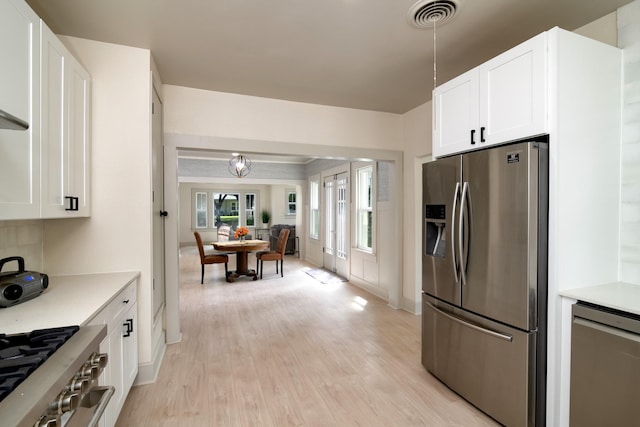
(129,325)
(73,203)
(482,134)
(164,213)
(473,136)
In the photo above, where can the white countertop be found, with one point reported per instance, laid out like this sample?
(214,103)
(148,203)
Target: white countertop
(69,300)
(617,295)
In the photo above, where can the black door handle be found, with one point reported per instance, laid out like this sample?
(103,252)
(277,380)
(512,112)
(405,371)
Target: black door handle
(473,136)
(482,134)
(164,213)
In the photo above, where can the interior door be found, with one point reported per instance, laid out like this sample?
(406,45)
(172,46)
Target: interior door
(336,239)
(158,213)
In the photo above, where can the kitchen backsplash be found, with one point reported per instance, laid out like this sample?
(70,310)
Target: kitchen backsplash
(22,238)
(629,41)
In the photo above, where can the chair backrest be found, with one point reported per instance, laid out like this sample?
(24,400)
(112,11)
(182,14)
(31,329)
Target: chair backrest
(223,232)
(200,247)
(282,241)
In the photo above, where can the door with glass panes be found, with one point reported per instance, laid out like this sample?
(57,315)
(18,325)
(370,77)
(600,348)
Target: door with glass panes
(336,223)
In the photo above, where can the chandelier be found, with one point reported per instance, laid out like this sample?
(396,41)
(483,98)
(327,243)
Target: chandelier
(239,165)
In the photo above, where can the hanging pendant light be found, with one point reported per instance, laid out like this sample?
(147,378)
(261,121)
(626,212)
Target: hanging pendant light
(239,165)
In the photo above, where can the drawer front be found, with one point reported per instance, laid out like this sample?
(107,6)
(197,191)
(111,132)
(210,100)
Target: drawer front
(122,302)
(113,311)
(605,373)
(488,364)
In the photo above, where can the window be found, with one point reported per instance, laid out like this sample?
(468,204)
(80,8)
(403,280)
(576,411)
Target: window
(364,200)
(225,209)
(314,209)
(211,207)
(201,210)
(250,209)
(291,203)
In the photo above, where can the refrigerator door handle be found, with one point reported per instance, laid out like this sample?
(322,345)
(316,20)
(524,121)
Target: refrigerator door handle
(486,331)
(453,233)
(462,248)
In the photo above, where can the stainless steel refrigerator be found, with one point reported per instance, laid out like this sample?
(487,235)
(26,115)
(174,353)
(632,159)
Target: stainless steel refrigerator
(484,278)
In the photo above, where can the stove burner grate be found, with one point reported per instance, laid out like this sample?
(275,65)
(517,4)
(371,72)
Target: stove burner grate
(21,354)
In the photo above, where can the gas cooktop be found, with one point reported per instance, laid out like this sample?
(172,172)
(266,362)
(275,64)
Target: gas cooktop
(21,354)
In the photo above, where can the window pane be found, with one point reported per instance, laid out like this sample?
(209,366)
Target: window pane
(250,208)
(225,209)
(314,209)
(201,210)
(291,203)
(364,227)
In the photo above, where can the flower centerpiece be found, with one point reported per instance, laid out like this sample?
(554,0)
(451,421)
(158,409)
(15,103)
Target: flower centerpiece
(241,232)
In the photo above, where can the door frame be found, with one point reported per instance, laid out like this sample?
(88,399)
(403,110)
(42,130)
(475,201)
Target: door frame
(174,142)
(341,267)
(157,205)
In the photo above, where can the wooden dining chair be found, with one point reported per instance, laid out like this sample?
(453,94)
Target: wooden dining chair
(277,255)
(211,258)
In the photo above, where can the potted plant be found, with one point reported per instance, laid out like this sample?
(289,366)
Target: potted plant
(266,217)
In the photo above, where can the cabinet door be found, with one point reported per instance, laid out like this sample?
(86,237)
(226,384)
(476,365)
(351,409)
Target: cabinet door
(65,122)
(78,113)
(53,122)
(455,115)
(130,348)
(513,93)
(19,96)
(112,345)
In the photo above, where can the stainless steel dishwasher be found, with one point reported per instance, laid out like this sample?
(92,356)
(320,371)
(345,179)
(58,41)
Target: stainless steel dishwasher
(605,367)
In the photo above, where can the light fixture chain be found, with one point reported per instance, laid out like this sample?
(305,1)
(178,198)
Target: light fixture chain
(435,66)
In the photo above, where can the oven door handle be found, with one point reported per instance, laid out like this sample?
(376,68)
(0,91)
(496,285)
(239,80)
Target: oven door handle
(91,407)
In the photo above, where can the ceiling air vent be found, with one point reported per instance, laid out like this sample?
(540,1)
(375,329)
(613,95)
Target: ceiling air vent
(428,13)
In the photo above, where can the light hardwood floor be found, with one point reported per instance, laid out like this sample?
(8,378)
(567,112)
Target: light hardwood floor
(291,352)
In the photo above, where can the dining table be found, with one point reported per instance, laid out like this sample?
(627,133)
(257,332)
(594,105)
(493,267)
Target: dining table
(242,249)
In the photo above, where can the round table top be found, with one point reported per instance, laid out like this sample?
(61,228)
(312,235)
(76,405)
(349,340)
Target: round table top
(241,245)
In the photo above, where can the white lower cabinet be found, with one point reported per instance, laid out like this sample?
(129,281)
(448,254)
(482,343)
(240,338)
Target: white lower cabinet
(121,344)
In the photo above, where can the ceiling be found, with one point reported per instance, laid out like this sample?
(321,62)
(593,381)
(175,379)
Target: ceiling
(350,53)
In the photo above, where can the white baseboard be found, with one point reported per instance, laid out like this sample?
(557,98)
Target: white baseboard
(380,293)
(413,307)
(148,372)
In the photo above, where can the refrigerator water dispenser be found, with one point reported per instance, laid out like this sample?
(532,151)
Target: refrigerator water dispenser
(435,230)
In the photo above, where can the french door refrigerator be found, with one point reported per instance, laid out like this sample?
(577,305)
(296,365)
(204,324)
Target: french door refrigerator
(484,278)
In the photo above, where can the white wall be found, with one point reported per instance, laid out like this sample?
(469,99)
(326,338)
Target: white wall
(22,238)
(417,149)
(629,41)
(278,205)
(117,236)
(200,112)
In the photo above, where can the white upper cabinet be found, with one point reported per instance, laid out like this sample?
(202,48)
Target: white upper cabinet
(513,93)
(65,131)
(501,100)
(456,114)
(44,171)
(20,96)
